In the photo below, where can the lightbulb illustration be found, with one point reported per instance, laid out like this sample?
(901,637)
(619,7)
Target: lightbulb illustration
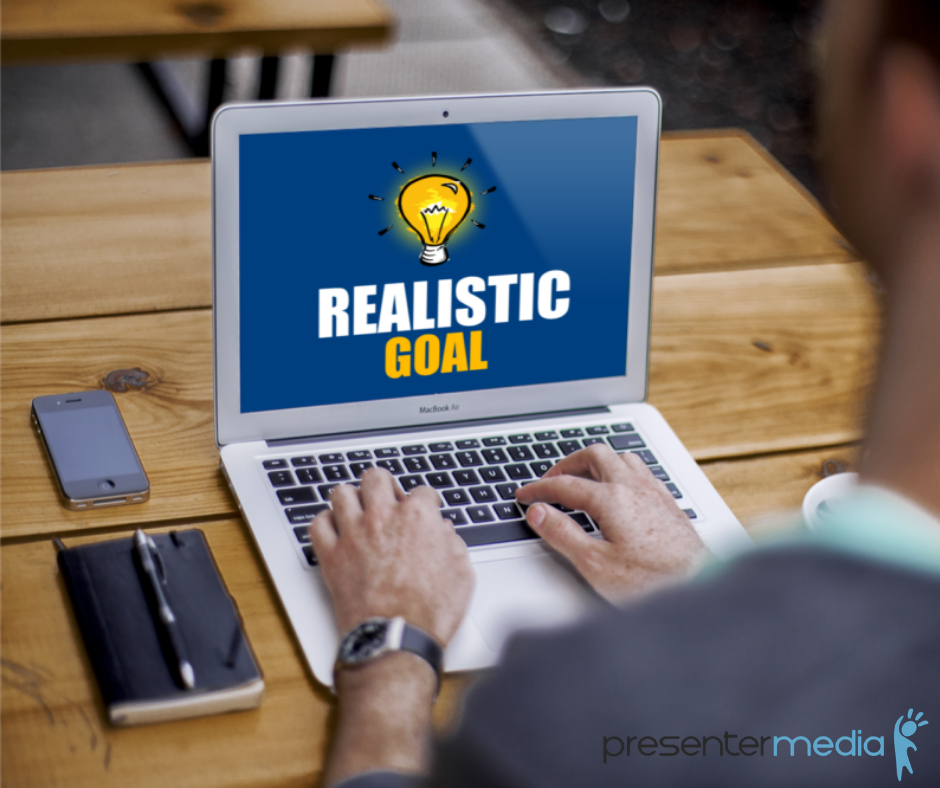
(434,206)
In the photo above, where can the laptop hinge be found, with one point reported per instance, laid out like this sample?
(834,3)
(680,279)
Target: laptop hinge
(441,425)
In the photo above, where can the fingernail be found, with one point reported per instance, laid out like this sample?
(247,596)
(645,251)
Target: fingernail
(536,515)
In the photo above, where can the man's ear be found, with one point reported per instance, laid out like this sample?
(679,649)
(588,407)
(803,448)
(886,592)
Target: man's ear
(910,124)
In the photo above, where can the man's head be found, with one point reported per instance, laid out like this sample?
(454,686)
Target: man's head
(880,120)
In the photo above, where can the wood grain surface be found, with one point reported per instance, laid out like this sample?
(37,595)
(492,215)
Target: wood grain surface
(724,395)
(54,30)
(55,731)
(114,240)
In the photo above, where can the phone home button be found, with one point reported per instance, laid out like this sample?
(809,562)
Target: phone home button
(106,484)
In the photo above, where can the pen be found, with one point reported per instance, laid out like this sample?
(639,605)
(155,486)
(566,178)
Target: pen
(146,550)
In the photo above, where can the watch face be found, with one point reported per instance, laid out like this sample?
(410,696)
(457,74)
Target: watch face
(364,641)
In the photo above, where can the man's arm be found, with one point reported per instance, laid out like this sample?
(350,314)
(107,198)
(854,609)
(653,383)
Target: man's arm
(385,553)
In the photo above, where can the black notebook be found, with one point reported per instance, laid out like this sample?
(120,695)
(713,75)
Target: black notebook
(127,647)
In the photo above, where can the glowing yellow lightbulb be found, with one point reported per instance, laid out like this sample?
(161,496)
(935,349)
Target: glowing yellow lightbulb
(434,206)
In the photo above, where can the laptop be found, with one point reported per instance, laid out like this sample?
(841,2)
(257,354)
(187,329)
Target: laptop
(457,290)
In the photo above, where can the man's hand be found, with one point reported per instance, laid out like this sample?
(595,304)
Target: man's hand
(385,553)
(647,541)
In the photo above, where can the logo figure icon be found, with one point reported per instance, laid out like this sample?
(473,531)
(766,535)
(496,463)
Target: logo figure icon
(902,730)
(433,206)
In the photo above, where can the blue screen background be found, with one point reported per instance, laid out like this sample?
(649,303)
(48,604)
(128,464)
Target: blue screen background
(563,201)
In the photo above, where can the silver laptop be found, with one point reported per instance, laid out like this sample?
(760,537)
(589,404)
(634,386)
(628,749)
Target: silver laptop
(457,290)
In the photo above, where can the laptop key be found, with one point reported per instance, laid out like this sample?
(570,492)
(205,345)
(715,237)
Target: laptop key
(385,453)
(647,456)
(335,473)
(628,440)
(523,437)
(575,433)
(495,456)
(470,443)
(408,483)
(359,468)
(540,468)
(443,462)
(359,456)
(545,450)
(480,514)
(659,473)
(507,491)
(494,441)
(519,471)
(492,475)
(282,478)
(308,554)
(592,441)
(676,492)
(293,495)
(582,519)
(270,465)
(309,476)
(546,436)
(466,478)
(298,515)
(690,513)
(414,449)
(569,447)
(392,466)
(468,459)
(325,490)
(456,516)
(483,494)
(519,453)
(438,447)
(597,430)
(562,508)
(417,464)
(496,533)
(302,533)
(439,480)
(622,427)
(326,459)
(458,497)
(507,511)
(300,462)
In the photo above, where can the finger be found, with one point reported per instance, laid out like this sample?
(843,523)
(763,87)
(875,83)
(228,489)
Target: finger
(571,491)
(400,494)
(562,533)
(378,488)
(598,462)
(323,533)
(347,506)
(424,495)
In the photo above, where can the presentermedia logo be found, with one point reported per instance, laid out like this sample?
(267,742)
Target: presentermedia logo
(903,730)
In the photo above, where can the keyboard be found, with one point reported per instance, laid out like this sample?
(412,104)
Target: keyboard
(476,477)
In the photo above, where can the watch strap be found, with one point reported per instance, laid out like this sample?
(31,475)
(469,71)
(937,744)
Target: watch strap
(419,642)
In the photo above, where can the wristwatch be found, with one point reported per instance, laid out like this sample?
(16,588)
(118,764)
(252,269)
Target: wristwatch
(375,637)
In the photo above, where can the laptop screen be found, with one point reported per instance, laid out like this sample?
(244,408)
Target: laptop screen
(406,261)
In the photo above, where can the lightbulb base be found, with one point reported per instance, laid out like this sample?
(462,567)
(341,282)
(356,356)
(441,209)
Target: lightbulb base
(434,255)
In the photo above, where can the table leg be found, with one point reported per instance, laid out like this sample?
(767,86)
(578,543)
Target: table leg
(268,82)
(322,76)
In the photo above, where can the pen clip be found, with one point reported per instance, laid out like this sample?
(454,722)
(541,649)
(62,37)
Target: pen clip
(157,560)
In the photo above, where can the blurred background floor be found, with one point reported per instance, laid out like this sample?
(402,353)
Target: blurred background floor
(717,63)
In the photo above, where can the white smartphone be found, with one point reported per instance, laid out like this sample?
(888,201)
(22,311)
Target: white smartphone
(90,451)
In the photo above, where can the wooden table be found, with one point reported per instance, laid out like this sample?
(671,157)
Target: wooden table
(764,332)
(52,31)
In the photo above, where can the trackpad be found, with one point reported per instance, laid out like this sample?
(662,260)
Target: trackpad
(530,592)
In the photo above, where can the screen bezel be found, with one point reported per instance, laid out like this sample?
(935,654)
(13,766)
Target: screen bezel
(233,120)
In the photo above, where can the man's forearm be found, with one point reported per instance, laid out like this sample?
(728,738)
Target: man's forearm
(384,717)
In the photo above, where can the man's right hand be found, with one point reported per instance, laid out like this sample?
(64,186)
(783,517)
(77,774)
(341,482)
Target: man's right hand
(648,539)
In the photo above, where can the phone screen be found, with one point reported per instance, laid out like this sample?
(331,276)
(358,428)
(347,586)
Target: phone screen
(89,443)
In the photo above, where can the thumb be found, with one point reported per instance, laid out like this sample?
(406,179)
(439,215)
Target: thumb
(560,531)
